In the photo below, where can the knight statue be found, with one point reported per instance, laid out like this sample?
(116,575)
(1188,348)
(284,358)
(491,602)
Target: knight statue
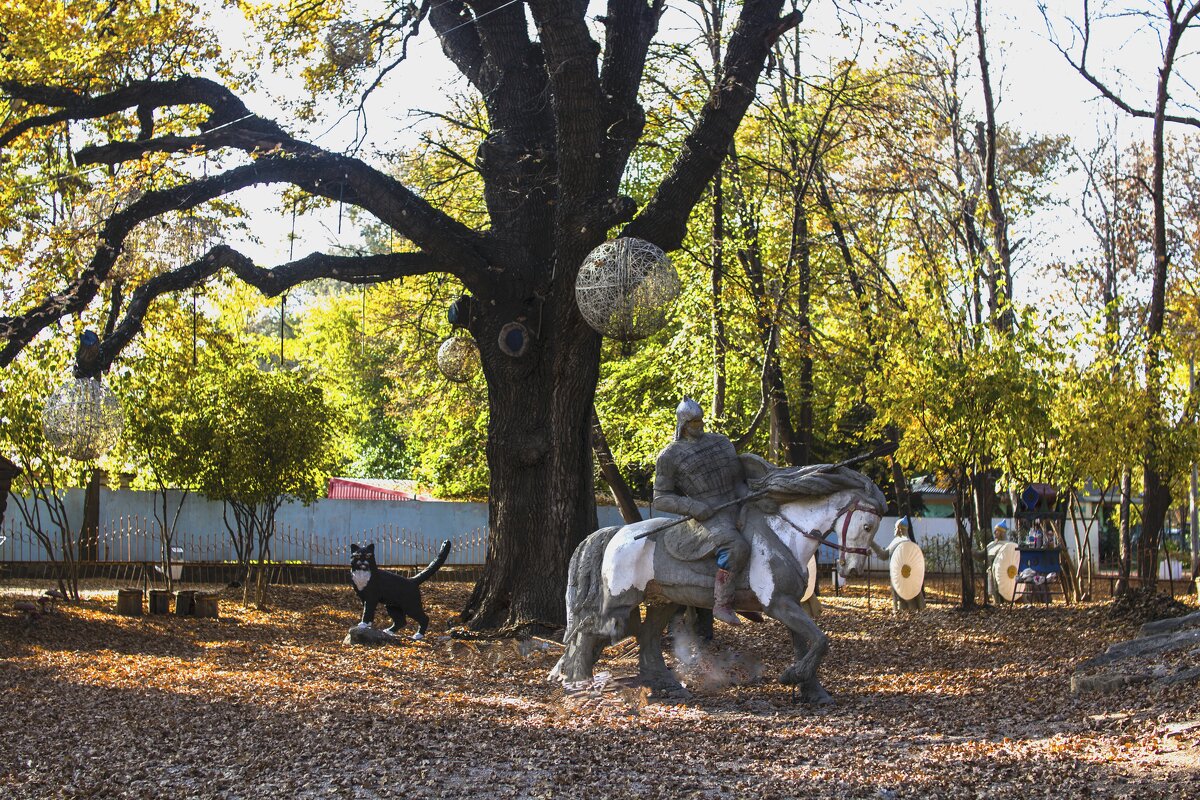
(694,474)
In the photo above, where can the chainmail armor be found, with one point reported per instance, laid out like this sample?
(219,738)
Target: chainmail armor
(706,469)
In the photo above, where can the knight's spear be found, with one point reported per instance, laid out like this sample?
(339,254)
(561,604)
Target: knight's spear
(884,450)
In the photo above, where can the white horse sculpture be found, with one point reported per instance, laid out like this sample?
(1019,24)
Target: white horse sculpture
(614,570)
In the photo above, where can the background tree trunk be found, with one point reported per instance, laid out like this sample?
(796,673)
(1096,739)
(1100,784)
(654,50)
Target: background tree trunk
(1125,544)
(611,474)
(966,559)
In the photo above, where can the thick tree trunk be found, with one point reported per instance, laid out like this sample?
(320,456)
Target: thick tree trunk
(89,533)
(542,501)
(1156,492)
(8,472)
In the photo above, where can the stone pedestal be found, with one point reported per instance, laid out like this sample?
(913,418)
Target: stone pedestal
(370,636)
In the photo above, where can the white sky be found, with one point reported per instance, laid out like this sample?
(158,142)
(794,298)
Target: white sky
(1038,92)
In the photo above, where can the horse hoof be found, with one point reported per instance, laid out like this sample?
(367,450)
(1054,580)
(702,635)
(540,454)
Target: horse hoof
(677,692)
(662,685)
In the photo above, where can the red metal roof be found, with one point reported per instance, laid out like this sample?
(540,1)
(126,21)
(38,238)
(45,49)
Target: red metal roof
(370,489)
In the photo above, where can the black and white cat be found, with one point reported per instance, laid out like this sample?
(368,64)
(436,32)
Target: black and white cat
(401,596)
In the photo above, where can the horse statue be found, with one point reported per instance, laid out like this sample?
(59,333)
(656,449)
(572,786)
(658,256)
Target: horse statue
(791,510)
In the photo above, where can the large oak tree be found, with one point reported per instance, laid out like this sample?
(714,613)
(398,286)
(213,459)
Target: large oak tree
(563,118)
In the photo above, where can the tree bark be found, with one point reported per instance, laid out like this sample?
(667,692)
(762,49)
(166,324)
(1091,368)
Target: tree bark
(539,454)
(983,491)
(1156,499)
(89,533)
(8,473)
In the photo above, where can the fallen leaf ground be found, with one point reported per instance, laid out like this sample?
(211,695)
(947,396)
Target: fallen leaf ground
(273,705)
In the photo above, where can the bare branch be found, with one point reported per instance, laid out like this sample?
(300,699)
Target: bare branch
(281,158)
(664,220)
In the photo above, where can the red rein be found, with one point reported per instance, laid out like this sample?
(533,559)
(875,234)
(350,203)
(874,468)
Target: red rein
(846,513)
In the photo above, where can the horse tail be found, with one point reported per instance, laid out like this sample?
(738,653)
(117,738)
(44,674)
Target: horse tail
(434,565)
(585,592)
(585,576)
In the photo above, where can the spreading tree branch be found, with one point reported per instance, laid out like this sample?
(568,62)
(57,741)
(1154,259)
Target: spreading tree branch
(362,269)
(322,176)
(1080,64)
(664,219)
(280,158)
(630,26)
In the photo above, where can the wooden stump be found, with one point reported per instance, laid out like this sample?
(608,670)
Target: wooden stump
(129,602)
(185,603)
(160,601)
(207,605)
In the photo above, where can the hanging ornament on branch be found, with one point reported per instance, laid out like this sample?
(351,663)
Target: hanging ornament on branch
(625,288)
(348,45)
(82,420)
(458,358)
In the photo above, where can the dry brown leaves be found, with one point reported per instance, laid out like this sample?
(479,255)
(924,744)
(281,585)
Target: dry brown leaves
(272,705)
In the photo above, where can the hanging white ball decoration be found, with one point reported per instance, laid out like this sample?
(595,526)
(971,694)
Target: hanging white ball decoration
(82,420)
(625,287)
(458,358)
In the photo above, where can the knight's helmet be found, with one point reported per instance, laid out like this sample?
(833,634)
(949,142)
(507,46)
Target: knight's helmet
(685,412)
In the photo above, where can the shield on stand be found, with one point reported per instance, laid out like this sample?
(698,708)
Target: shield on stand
(907,568)
(1004,570)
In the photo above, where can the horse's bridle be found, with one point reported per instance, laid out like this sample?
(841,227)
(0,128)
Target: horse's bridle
(846,513)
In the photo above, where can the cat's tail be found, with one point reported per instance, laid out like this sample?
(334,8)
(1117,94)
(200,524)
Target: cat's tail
(434,565)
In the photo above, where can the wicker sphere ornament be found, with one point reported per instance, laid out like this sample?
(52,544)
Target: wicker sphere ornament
(82,420)
(348,45)
(625,288)
(458,358)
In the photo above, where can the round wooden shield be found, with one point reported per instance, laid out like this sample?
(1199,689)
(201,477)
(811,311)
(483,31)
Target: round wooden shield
(812,579)
(907,568)
(1004,570)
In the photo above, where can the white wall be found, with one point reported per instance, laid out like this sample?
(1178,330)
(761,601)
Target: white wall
(405,532)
